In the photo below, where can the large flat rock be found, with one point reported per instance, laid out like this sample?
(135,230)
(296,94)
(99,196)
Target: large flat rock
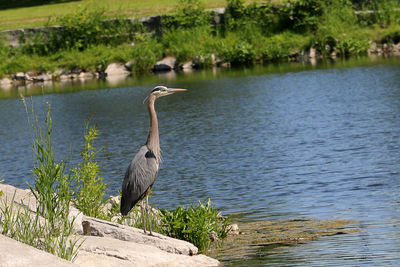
(106,251)
(14,253)
(97,227)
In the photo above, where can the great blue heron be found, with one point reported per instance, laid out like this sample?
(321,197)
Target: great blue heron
(142,170)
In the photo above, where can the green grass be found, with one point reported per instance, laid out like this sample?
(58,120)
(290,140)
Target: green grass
(49,228)
(36,16)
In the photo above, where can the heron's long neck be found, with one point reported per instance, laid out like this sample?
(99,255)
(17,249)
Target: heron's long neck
(153,141)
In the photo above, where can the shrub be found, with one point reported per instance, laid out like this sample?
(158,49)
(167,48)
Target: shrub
(80,30)
(303,15)
(196,224)
(190,14)
(187,44)
(237,52)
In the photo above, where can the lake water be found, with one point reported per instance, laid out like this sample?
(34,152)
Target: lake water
(276,142)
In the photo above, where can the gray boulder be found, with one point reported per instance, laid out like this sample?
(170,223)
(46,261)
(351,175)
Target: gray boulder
(43,77)
(166,64)
(106,251)
(5,81)
(116,69)
(14,253)
(101,228)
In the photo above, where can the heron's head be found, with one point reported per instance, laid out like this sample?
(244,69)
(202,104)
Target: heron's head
(160,91)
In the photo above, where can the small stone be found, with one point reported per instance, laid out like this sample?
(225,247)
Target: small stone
(129,64)
(116,69)
(86,75)
(64,77)
(312,53)
(233,229)
(166,64)
(187,66)
(73,76)
(5,81)
(213,59)
(224,65)
(43,77)
(213,236)
(19,76)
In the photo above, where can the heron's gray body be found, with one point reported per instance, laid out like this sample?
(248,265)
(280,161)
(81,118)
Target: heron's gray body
(139,177)
(142,170)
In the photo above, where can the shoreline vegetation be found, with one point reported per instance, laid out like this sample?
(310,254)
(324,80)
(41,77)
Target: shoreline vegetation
(64,204)
(88,46)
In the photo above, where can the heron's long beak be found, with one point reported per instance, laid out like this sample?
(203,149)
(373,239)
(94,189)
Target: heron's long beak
(175,90)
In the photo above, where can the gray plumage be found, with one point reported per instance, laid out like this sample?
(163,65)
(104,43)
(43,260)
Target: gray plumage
(139,177)
(142,171)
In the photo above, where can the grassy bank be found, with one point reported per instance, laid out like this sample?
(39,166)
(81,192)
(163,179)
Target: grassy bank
(29,13)
(249,34)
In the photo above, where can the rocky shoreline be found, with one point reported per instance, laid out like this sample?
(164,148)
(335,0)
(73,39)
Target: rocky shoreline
(104,243)
(117,71)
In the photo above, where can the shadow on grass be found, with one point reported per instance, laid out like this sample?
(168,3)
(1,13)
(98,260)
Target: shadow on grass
(9,4)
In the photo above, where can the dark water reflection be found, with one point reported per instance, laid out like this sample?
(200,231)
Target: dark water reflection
(302,142)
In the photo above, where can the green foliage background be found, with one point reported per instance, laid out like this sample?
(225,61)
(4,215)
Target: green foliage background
(249,33)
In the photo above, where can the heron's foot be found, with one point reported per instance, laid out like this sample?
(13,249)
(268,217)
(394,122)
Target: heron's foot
(144,230)
(150,234)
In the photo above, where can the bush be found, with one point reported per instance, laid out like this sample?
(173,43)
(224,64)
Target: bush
(266,18)
(190,14)
(303,15)
(197,224)
(80,31)
(187,44)
(238,52)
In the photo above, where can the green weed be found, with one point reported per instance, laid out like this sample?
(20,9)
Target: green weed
(89,186)
(53,197)
(195,224)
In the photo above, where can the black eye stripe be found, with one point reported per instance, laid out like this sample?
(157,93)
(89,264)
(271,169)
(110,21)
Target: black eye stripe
(158,89)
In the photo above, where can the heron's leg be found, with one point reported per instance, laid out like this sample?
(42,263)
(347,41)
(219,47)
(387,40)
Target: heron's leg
(143,221)
(147,210)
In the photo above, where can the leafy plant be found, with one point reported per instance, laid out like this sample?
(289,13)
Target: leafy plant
(238,53)
(190,14)
(303,15)
(196,224)
(89,186)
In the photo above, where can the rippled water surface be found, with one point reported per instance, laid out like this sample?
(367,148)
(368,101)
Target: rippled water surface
(272,143)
